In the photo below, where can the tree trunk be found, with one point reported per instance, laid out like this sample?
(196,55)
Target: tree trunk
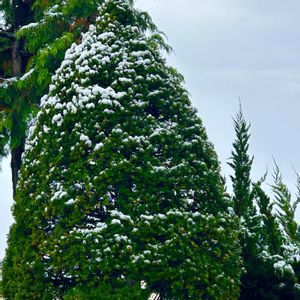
(16,155)
(17,62)
(16,150)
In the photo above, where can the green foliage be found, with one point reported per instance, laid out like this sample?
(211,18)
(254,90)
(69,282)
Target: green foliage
(131,187)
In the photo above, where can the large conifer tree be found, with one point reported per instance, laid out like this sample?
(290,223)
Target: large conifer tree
(120,184)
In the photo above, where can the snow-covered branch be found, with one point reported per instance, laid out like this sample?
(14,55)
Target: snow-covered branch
(6,81)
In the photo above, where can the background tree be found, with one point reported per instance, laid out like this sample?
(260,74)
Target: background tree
(269,255)
(131,187)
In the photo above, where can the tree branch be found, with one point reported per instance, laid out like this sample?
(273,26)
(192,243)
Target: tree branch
(7,34)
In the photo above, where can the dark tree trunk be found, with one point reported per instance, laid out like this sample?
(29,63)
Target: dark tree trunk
(16,155)
(16,150)
(21,13)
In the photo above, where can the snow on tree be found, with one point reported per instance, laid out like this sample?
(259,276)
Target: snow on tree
(119,183)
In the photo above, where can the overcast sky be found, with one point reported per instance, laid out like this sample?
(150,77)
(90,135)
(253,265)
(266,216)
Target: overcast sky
(228,49)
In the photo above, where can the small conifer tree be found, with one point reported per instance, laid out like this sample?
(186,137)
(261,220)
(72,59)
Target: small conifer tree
(120,184)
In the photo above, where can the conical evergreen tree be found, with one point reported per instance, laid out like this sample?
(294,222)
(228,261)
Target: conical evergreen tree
(120,184)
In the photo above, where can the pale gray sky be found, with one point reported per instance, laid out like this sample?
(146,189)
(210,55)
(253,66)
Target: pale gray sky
(225,50)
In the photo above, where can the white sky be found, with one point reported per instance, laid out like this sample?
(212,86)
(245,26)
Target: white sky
(225,50)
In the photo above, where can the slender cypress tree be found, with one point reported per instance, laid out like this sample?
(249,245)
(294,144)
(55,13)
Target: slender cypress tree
(241,163)
(120,184)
